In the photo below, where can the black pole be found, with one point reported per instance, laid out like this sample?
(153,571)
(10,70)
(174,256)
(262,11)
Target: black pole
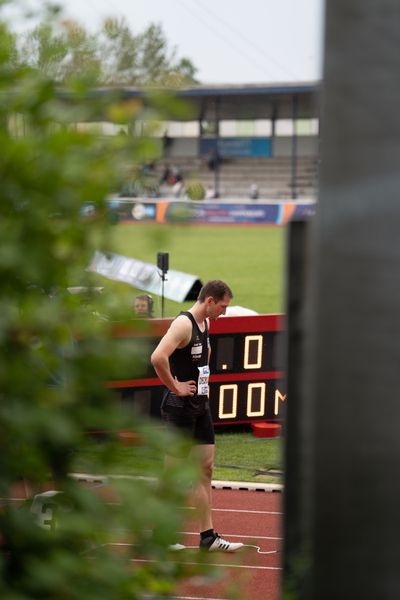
(163,265)
(298,423)
(294,148)
(216,154)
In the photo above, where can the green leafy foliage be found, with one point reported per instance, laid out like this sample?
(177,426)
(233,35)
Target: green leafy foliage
(114,54)
(56,356)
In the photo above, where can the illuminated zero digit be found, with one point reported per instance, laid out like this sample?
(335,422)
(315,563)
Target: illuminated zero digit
(250,393)
(222,399)
(248,340)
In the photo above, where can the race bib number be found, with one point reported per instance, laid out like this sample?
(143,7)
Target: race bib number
(202,382)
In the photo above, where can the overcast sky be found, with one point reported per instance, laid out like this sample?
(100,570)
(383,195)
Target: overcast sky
(229,41)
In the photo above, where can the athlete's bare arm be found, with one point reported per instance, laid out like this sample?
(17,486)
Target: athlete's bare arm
(177,336)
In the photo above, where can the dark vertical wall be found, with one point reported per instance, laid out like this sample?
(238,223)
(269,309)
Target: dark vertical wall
(354,371)
(298,451)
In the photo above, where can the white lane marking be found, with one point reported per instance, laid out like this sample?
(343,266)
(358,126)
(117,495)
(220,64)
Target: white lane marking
(144,560)
(234,510)
(238,510)
(258,548)
(251,512)
(259,551)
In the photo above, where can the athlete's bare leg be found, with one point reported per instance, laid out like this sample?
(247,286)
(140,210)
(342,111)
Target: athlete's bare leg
(201,495)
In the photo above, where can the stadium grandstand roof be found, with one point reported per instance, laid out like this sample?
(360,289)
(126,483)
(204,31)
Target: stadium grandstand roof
(236,102)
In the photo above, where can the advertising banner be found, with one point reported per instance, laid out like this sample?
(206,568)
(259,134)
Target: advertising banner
(178,286)
(218,212)
(132,209)
(188,211)
(237,146)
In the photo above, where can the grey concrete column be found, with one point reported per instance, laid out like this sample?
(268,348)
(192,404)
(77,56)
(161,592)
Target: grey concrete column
(352,363)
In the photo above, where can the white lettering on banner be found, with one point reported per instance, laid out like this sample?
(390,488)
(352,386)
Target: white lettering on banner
(202,382)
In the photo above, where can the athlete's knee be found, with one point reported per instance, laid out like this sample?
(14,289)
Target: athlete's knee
(207,470)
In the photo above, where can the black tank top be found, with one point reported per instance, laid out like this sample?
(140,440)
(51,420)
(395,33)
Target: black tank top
(184,362)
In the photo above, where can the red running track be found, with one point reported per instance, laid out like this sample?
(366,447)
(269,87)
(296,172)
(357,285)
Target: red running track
(253,518)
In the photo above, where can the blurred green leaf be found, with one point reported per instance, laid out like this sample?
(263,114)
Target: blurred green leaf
(57,349)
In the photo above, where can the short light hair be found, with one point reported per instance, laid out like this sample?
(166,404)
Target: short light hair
(215,288)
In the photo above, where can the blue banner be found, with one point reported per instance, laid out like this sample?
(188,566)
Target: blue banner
(237,146)
(210,212)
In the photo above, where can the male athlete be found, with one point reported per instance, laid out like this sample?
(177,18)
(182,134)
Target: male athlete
(181,361)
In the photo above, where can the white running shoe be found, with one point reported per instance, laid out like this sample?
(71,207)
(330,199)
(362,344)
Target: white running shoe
(176,547)
(221,545)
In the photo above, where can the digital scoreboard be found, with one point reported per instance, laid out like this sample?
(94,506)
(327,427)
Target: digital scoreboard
(247,381)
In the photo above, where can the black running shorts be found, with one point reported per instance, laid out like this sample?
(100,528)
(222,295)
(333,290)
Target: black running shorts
(191,414)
